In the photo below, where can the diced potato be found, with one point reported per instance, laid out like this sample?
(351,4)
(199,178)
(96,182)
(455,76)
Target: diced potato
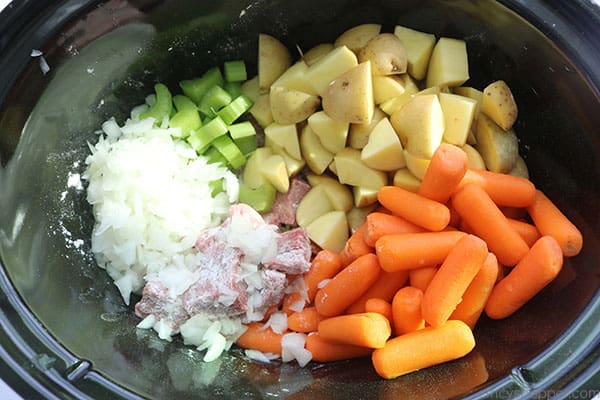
(383,151)
(286,136)
(420,125)
(359,133)
(357,216)
(471,93)
(387,87)
(475,161)
(364,196)
(418,49)
(290,106)
(292,165)
(317,157)
(314,204)
(332,167)
(352,171)
(251,89)
(295,78)
(416,165)
(349,98)
(261,110)
(448,65)
(331,133)
(406,180)
(329,231)
(430,90)
(252,175)
(520,169)
(316,52)
(273,59)
(339,195)
(329,67)
(386,54)
(499,104)
(498,148)
(358,36)
(393,104)
(273,168)
(459,112)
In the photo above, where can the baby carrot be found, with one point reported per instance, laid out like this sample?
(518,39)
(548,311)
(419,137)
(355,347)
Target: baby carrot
(478,292)
(379,306)
(486,220)
(380,224)
(538,268)
(420,277)
(445,171)
(528,232)
(406,310)
(503,189)
(423,348)
(414,250)
(347,286)
(365,329)
(514,212)
(419,210)
(304,321)
(452,279)
(293,302)
(324,265)
(551,221)
(256,337)
(386,285)
(323,350)
(355,246)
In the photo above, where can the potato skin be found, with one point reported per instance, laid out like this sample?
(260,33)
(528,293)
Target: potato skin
(386,53)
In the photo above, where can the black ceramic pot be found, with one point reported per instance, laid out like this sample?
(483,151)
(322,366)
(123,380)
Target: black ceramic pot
(65,332)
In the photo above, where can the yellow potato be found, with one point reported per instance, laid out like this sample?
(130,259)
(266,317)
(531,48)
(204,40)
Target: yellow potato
(352,171)
(475,161)
(329,231)
(357,37)
(357,216)
(331,133)
(316,52)
(251,89)
(383,151)
(273,168)
(459,112)
(329,67)
(290,106)
(499,149)
(273,59)
(359,133)
(416,165)
(349,98)
(261,110)
(393,104)
(387,87)
(406,180)
(386,53)
(314,204)
(339,195)
(499,104)
(520,169)
(448,65)
(418,50)
(252,176)
(285,136)
(471,93)
(293,166)
(364,196)
(295,78)
(317,157)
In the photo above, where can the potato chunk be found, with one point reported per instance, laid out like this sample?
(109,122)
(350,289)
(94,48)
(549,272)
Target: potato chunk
(383,152)
(329,67)
(351,170)
(418,50)
(329,231)
(332,134)
(499,149)
(314,204)
(358,36)
(499,104)
(459,112)
(448,65)
(349,98)
(289,106)
(317,157)
(386,53)
(273,59)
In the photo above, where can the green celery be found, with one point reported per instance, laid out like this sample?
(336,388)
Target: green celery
(216,187)
(230,151)
(233,88)
(187,119)
(163,105)
(244,136)
(183,103)
(235,71)
(215,99)
(197,88)
(235,109)
(261,198)
(214,156)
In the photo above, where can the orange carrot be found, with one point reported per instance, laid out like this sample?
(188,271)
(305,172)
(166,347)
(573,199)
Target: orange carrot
(452,279)
(366,329)
(423,348)
(445,171)
(325,350)
(487,221)
(292,301)
(503,189)
(379,306)
(551,221)
(419,210)
(478,292)
(415,250)
(528,232)
(324,266)
(406,310)
(380,224)
(347,286)
(386,285)
(258,338)
(420,277)
(355,246)
(454,216)
(304,321)
(514,212)
(538,268)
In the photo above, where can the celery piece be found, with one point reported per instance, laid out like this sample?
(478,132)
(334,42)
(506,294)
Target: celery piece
(215,99)
(163,105)
(261,198)
(230,151)
(204,136)
(183,103)
(213,156)
(216,187)
(233,88)
(235,109)
(235,71)
(195,89)
(244,136)
(187,119)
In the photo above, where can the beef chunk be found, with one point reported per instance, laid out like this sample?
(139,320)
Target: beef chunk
(285,205)
(157,301)
(293,253)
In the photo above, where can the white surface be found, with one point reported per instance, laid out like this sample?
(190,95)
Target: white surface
(7,393)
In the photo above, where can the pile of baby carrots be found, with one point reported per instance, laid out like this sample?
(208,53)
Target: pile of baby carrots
(413,280)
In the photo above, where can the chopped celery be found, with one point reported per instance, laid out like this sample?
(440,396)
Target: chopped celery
(206,134)
(216,187)
(230,151)
(215,99)
(235,109)
(235,71)
(214,156)
(187,119)
(195,89)
(261,198)
(244,136)
(183,103)
(163,105)
(233,88)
